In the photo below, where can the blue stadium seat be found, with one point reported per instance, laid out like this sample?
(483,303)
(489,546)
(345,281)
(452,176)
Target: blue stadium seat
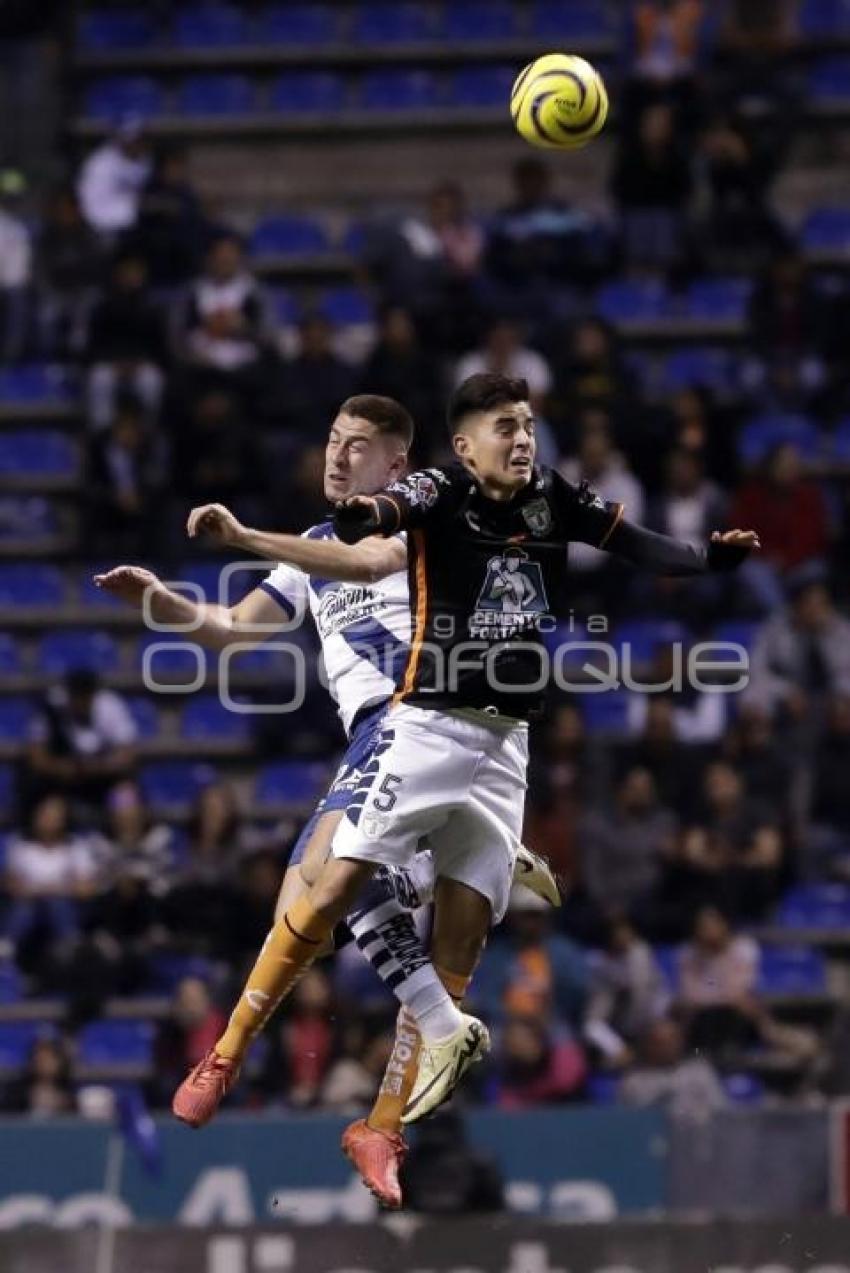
(169,969)
(646,637)
(792,970)
(761,435)
(354,239)
(298,783)
(111,99)
(35,383)
(12,986)
(104,30)
(60,651)
(89,595)
(482,86)
(17,1039)
(175,662)
(827,230)
(26,517)
(570,19)
(820,18)
(286,308)
(840,443)
(629,301)
(667,959)
(306,91)
(145,714)
(603,1089)
(829,79)
(743,1089)
(815,906)
(10,656)
(395,90)
(480,20)
(116,1043)
(605,713)
(719,299)
(174,782)
(288,236)
(206,717)
(31,585)
(8,790)
(213,26)
(310,24)
(392,23)
(703,366)
(735,631)
(216,95)
(38,453)
(15,716)
(346,306)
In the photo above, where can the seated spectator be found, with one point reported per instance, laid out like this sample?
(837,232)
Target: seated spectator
(690,506)
(124,344)
(786,314)
(315,381)
(504,353)
(81,742)
(16,268)
(44,1089)
(652,186)
(688,1087)
(741,232)
(628,993)
(127,473)
(598,462)
(223,330)
(111,180)
(138,842)
(754,750)
(353,1079)
(536,1064)
(185,1037)
(216,457)
(69,263)
(669,42)
(588,373)
(171,230)
(305,1042)
(199,905)
(698,426)
(443,1175)
(49,871)
(662,727)
(258,879)
(624,847)
(400,367)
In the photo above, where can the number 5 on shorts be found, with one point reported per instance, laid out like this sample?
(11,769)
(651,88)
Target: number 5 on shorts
(387,795)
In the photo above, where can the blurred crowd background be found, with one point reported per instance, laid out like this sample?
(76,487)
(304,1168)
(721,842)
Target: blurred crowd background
(185,299)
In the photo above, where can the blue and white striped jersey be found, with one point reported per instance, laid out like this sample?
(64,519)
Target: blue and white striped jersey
(365,629)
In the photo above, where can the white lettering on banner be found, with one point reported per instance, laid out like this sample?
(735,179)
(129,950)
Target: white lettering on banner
(221,1195)
(524,1196)
(25,1208)
(318,1206)
(274,1254)
(92,1208)
(531,1257)
(227,1255)
(582,1200)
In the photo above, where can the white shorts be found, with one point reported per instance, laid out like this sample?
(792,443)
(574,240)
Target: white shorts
(458,779)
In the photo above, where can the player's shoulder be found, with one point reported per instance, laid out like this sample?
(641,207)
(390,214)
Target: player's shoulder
(322,530)
(427,487)
(549,482)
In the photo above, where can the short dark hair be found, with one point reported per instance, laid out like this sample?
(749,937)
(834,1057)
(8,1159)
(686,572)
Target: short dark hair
(388,416)
(483,392)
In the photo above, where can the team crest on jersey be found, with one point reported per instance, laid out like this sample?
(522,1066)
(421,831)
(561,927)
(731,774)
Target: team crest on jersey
(420,489)
(513,585)
(374,825)
(537,516)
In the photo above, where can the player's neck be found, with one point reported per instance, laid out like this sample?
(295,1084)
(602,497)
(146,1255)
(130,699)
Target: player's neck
(492,490)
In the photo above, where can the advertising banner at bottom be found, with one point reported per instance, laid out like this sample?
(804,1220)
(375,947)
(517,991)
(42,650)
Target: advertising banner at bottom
(408,1245)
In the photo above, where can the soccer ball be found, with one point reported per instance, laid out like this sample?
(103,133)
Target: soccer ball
(559,102)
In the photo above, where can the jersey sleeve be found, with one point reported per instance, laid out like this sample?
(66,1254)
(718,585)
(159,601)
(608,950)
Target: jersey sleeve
(287,585)
(420,495)
(587,517)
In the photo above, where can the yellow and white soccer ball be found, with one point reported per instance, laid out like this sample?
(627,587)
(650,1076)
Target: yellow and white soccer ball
(559,102)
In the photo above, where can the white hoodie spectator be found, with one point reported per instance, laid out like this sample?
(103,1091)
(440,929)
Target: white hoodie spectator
(111,180)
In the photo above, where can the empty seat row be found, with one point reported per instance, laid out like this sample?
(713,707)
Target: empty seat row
(224,26)
(37,584)
(203,718)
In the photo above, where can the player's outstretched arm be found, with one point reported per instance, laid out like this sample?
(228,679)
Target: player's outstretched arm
(364,562)
(667,556)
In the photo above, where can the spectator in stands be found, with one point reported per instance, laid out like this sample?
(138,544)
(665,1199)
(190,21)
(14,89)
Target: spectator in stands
(124,344)
(757,36)
(44,1089)
(258,876)
(698,425)
(786,314)
(740,232)
(624,847)
(306,1042)
(753,749)
(598,462)
(186,1036)
(652,186)
(628,993)
(790,513)
(353,1078)
(69,263)
(662,726)
(536,1064)
(746,837)
(111,180)
(688,1087)
(215,451)
(669,41)
(171,230)
(315,381)
(223,331)
(830,805)
(49,872)
(201,902)
(588,372)
(128,470)
(16,268)
(443,1175)
(400,367)
(81,742)
(504,353)
(138,841)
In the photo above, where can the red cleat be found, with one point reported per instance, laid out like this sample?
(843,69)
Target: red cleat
(200,1094)
(377,1157)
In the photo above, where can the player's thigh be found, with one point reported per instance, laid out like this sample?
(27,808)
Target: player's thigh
(462,917)
(312,855)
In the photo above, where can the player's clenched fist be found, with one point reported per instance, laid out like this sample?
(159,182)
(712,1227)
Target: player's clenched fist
(215,521)
(129,583)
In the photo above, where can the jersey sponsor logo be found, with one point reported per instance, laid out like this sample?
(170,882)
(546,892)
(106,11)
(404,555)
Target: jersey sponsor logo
(537,516)
(341,606)
(420,489)
(512,598)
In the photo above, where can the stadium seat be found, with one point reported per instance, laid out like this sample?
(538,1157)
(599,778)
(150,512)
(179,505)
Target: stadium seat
(31,585)
(763,434)
(819,18)
(792,970)
(38,453)
(827,230)
(298,783)
(116,1043)
(307,24)
(702,366)
(214,26)
(743,1089)
(398,91)
(570,20)
(306,91)
(17,1039)
(288,236)
(829,80)
(392,23)
(480,20)
(667,959)
(646,637)
(482,86)
(354,239)
(35,383)
(839,448)
(207,718)
(145,714)
(173,660)
(25,517)
(112,99)
(630,301)
(58,652)
(15,716)
(168,969)
(734,632)
(10,656)
(7,790)
(286,308)
(605,713)
(719,299)
(174,782)
(89,595)
(815,906)
(216,95)
(346,306)
(12,986)
(104,31)
(603,1089)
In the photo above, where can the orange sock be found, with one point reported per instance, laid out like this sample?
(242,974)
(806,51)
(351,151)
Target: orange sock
(399,1076)
(287,953)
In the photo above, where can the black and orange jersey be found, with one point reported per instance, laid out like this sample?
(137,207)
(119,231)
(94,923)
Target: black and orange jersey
(489,578)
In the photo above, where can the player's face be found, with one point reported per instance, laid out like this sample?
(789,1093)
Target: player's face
(499,447)
(359,459)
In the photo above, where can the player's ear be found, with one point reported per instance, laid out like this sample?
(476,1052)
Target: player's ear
(460,443)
